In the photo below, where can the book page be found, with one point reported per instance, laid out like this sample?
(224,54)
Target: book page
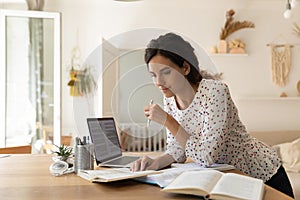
(168,175)
(193,166)
(162,179)
(195,180)
(113,174)
(239,186)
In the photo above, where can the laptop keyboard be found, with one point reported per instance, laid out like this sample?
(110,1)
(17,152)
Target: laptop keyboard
(124,160)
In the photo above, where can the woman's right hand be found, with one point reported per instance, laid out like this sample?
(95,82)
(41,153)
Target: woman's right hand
(144,163)
(156,113)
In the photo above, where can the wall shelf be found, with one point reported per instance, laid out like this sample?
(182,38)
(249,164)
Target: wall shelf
(229,54)
(269,112)
(269,99)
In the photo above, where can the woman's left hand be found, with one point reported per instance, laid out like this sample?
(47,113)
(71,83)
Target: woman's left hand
(144,163)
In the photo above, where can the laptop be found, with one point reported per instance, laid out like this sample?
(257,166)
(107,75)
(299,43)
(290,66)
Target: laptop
(107,147)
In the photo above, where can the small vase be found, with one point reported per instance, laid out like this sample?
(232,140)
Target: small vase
(222,46)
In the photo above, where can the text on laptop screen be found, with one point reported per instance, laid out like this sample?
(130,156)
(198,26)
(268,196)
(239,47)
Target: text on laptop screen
(105,138)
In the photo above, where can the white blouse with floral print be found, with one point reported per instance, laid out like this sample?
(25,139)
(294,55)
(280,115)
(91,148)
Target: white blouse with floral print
(217,135)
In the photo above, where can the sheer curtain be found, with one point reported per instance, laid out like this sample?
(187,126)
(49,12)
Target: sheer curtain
(36,66)
(36,70)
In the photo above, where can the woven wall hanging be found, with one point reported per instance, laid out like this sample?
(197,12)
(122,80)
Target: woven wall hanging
(281,63)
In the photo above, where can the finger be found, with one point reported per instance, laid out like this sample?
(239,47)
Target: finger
(132,167)
(136,166)
(144,164)
(147,113)
(146,161)
(150,114)
(147,108)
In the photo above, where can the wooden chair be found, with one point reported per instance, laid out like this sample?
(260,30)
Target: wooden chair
(66,140)
(16,150)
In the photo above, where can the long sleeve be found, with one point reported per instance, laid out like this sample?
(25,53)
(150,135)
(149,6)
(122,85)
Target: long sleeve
(207,143)
(173,147)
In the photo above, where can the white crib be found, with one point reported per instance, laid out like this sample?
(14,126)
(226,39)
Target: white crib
(138,137)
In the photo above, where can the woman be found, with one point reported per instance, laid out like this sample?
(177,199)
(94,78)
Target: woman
(201,119)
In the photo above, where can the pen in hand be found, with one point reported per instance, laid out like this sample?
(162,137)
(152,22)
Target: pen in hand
(149,120)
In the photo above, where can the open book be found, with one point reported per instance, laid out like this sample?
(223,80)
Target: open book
(114,174)
(217,185)
(168,175)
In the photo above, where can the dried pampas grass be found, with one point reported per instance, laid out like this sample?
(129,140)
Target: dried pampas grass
(296,30)
(232,26)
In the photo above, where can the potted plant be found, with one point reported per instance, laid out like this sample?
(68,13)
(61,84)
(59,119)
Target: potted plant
(64,153)
(82,80)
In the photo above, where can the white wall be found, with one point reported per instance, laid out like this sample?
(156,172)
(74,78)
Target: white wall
(85,22)
(136,88)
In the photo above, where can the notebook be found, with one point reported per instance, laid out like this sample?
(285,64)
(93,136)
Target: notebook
(107,147)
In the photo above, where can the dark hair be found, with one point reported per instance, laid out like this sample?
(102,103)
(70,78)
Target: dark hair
(176,49)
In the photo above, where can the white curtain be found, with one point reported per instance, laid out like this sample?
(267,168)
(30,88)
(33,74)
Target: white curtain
(36,64)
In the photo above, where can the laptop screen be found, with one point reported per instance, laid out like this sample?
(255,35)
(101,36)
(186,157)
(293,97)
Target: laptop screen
(104,136)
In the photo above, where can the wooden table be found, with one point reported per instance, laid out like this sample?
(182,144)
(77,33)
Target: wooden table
(28,177)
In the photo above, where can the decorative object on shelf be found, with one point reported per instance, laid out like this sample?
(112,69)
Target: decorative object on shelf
(82,81)
(296,30)
(214,49)
(298,87)
(222,48)
(283,94)
(236,46)
(230,27)
(281,63)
